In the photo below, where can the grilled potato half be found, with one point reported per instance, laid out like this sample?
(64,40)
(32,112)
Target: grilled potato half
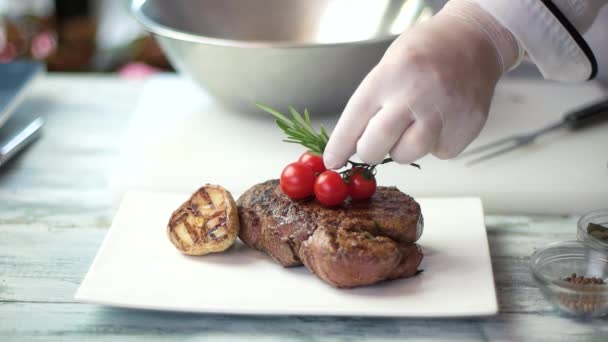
(206,223)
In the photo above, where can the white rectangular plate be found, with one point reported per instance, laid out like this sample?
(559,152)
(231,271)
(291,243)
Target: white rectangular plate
(137,267)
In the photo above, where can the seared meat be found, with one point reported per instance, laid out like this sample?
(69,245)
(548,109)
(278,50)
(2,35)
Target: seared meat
(357,243)
(349,258)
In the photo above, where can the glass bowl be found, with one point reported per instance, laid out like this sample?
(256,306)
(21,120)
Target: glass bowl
(598,217)
(552,264)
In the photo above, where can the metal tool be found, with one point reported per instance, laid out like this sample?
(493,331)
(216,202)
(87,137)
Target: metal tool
(17,133)
(15,80)
(17,129)
(574,121)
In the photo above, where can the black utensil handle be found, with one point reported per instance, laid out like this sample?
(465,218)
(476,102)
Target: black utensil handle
(588,116)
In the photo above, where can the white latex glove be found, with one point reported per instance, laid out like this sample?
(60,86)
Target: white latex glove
(431,91)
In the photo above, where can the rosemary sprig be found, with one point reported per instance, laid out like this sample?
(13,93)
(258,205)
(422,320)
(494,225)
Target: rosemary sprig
(299,130)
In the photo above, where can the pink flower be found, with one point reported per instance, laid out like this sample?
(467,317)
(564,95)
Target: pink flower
(137,70)
(8,52)
(43,44)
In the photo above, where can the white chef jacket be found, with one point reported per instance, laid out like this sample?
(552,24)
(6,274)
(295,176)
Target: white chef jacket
(597,36)
(550,33)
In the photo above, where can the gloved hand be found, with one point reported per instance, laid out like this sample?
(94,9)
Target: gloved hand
(431,91)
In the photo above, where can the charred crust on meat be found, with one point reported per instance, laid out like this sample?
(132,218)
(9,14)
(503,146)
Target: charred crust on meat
(356,243)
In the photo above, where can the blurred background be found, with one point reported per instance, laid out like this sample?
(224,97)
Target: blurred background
(78,35)
(102,36)
(82,36)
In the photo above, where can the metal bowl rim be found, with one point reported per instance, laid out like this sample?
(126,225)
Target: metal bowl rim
(168,32)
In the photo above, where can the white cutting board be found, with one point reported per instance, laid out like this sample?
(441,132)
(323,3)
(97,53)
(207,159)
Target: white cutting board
(137,267)
(179,138)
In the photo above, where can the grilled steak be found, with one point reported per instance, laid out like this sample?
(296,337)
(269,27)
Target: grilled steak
(357,243)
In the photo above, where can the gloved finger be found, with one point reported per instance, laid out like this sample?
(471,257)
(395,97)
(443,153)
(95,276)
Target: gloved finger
(453,141)
(360,108)
(382,132)
(448,149)
(418,140)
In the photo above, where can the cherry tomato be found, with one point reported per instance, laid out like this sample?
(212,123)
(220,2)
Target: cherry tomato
(330,189)
(314,160)
(297,180)
(362,184)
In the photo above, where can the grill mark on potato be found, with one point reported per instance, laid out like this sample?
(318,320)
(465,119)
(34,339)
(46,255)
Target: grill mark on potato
(177,220)
(203,192)
(175,238)
(207,222)
(217,213)
(178,215)
(192,231)
(193,208)
(174,223)
(211,232)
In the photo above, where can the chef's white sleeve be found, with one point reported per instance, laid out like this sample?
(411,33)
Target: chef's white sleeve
(550,33)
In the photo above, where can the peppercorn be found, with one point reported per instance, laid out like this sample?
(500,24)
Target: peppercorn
(590,298)
(584,280)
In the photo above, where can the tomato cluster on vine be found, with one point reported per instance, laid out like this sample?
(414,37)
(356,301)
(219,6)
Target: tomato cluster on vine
(308,176)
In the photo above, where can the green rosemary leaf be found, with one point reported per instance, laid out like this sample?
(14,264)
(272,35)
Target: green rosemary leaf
(301,121)
(282,125)
(314,148)
(320,148)
(324,134)
(307,117)
(297,135)
(299,130)
(275,113)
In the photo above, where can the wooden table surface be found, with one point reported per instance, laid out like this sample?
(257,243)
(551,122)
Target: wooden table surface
(55,210)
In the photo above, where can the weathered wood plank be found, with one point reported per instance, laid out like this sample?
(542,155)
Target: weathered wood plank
(55,208)
(61,180)
(85,118)
(77,322)
(519,236)
(44,264)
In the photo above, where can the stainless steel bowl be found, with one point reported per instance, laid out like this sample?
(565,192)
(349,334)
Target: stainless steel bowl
(305,53)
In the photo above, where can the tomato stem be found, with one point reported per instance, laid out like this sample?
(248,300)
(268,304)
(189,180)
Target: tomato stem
(385,161)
